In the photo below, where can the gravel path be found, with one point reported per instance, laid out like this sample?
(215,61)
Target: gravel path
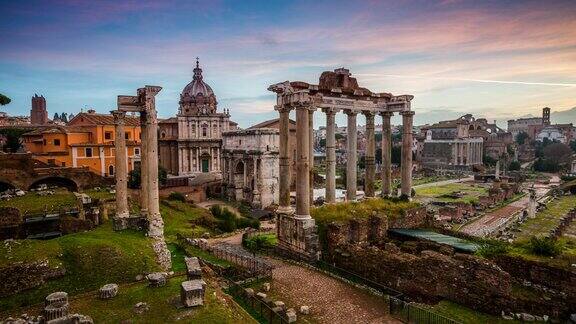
(330,300)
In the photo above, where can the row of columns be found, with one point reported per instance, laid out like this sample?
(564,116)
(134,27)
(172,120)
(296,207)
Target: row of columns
(149,197)
(305,158)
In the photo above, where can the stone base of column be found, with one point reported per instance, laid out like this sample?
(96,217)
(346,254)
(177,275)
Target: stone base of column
(138,223)
(285,210)
(163,257)
(297,238)
(122,215)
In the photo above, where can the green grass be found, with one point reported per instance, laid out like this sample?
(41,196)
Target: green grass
(91,259)
(546,219)
(32,203)
(471,193)
(102,194)
(179,219)
(350,210)
(465,315)
(163,303)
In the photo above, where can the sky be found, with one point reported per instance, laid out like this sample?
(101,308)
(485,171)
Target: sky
(495,59)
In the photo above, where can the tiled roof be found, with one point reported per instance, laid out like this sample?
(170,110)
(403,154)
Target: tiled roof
(267,123)
(171,120)
(101,119)
(57,130)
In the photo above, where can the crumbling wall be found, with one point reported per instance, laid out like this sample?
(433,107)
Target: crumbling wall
(20,276)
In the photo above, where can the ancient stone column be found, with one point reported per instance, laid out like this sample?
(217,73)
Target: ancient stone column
(352,156)
(144,194)
(121,165)
(330,155)
(406,167)
(311,154)
(370,153)
(302,162)
(284,169)
(386,154)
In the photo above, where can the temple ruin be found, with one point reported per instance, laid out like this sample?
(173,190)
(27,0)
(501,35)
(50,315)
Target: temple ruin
(337,91)
(144,104)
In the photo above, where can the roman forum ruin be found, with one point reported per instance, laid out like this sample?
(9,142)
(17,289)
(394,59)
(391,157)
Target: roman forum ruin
(144,104)
(336,91)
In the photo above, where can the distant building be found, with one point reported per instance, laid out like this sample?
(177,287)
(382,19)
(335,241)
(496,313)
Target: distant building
(553,134)
(449,145)
(38,113)
(87,141)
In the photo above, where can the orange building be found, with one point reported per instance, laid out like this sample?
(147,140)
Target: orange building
(87,141)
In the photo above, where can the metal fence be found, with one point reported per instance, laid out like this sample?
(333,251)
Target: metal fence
(257,307)
(252,264)
(410,313)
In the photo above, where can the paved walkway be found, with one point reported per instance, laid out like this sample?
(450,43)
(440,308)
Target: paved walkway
(330,300)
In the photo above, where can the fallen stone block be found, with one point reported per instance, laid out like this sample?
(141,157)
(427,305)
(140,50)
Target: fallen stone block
(108,291)
(249,292)
(193,269)
(141,307)
(261,295)
(266,286)
(156,279)
(59,298)
(192,292)
(280,304)
(53,312)
(305,310)
(291,315)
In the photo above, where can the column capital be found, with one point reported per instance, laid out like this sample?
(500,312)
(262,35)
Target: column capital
(350,112)
(282,108)
(118,117)
(330,111)
(369,113)
(304,105)
(386,114)
(407,113)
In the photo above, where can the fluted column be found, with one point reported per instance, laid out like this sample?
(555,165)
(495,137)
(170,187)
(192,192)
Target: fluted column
(369,157)
(406,167)
(121,173)
(330,155)
(284,169)
(352,156)
(156,226)
(144,189)
(311,153)
(302,162)
(386,154)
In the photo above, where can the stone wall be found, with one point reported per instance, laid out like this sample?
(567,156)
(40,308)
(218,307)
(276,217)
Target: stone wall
(411,218)
(20,276)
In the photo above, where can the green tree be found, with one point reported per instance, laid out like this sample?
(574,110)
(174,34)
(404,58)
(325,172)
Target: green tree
(521,138)
(13,142)
(134,177)
(514,166)
(4,100)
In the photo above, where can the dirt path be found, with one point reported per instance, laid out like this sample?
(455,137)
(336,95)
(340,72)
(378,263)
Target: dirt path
(330,300)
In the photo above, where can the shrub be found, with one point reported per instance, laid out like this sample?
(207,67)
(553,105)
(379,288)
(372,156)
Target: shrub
(216,210)
(177,196)
(545,246)
(244,222)
(492,249)
(514,166)
(260,242)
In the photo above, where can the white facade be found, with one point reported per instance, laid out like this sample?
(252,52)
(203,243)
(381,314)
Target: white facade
(551,133)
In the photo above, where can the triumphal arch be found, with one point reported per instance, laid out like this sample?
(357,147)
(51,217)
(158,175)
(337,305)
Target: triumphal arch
(336,91)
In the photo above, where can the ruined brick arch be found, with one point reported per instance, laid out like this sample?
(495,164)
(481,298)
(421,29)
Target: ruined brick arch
(239,168)
(55,180)
(5,185)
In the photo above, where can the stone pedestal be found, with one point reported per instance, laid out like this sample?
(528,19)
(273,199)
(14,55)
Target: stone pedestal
(108,291)
(192,293)
(297,237)
(193,269)
(156,279)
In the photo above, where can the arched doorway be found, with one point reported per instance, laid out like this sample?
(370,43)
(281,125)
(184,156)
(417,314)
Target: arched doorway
(55,181)
(4,185)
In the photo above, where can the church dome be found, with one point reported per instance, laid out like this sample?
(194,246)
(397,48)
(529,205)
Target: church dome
(197,86)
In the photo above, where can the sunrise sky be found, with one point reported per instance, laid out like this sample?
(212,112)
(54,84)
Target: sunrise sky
(496,59)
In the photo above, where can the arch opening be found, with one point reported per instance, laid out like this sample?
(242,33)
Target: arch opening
(57,182)
(6,186)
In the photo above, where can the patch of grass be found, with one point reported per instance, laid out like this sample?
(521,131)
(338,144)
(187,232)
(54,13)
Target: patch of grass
(91,259)
(32,203)
(179,219)
(102,194)
(471,193)
(177,254)
(466,315)
(349,210)
(545,246)
(546,219)
(162,302)
(493,249)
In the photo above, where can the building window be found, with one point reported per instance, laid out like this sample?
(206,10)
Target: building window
(204,131)
(108,135)
(44,142)
(162,135)
(63,164)
(88,152)
(136,151)
(57,142)
(110,170)
(127,135)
